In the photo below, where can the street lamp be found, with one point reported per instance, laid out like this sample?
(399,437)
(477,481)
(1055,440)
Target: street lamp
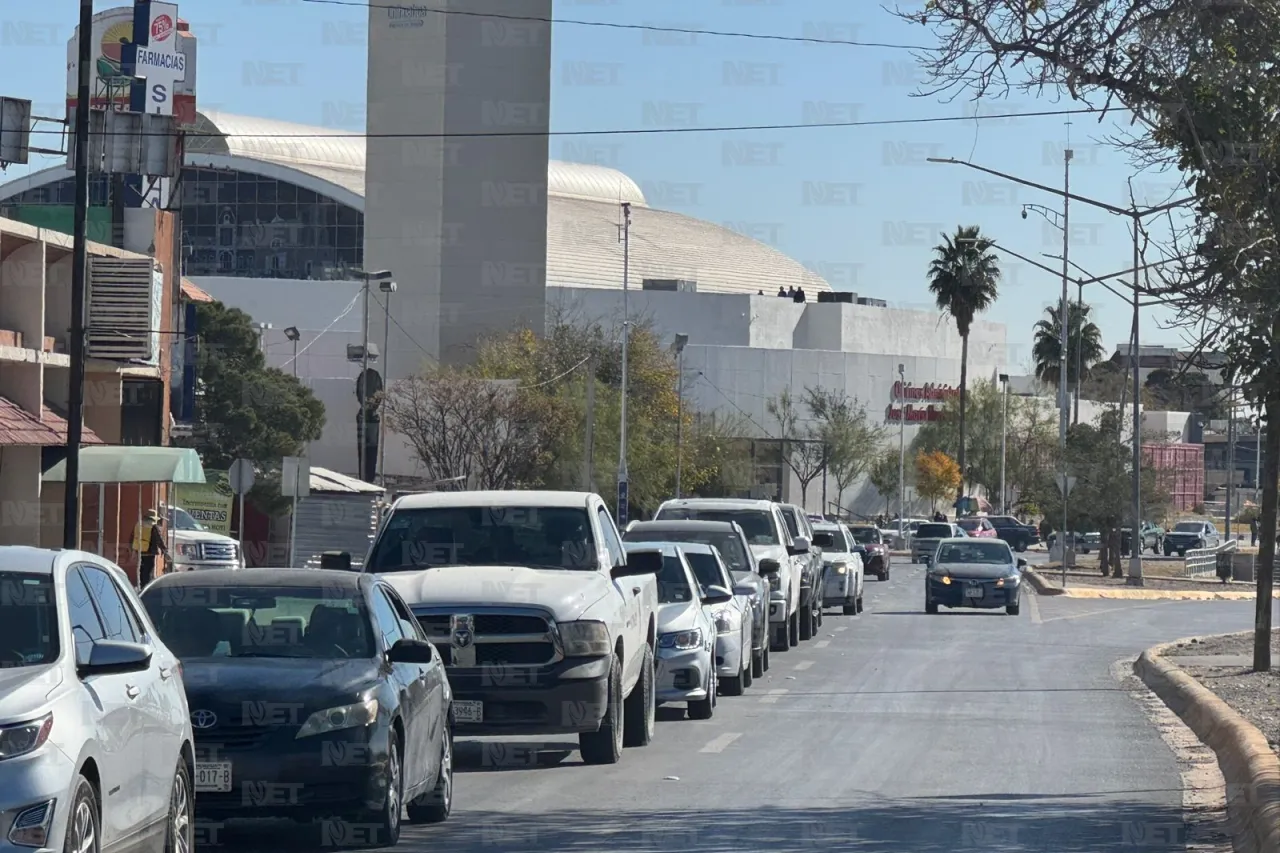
(366,277)
(387,288)
(1135,215)
(1059,221)
(679,345)
(1004,444)
(263,328)
(902,450)
(293,334)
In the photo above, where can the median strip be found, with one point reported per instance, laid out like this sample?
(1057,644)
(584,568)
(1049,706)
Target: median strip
(1044,586)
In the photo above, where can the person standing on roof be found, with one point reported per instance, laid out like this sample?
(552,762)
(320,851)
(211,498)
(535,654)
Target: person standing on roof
(148,543)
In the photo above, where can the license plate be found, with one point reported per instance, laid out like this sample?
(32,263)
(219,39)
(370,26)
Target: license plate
(213,777)
(973,592)
(468,712)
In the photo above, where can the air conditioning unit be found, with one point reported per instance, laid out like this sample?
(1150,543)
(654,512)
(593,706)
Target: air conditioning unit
(875,303)
(122,309)
(675,285)
(841,296)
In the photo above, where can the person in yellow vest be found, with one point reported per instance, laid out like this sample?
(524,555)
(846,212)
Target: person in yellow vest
(148,542)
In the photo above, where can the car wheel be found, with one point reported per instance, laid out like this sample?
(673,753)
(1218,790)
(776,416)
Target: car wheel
(82,822)
(435,805)
(764,660)
(793,631)
(930,606)
(604,746)
(1022,546)
(851,609)
(757,663)
(806,623)
(1182,553)
(703,709)
(386,821)
(747,677)
(780,632)
(641,709)
(180,833)
(733,686)
(1013,609)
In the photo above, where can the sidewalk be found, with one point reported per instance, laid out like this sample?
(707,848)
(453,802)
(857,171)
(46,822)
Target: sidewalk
(1047,580)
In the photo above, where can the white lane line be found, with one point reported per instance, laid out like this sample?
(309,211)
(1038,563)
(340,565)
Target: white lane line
(720,743)
(846,627)
(822,644)
(804,664)
(774,696)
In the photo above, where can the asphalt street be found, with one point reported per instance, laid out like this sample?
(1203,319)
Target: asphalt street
(895,730)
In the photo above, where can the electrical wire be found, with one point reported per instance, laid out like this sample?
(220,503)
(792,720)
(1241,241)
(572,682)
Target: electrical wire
(633,131)
(350,307)
(555,378)
(652,28)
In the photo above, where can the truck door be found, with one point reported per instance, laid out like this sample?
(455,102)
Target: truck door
(628,588)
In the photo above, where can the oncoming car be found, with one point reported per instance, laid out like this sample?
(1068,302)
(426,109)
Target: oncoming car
(975,573)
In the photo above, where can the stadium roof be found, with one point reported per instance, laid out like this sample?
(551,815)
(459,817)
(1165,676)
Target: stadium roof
(583,249)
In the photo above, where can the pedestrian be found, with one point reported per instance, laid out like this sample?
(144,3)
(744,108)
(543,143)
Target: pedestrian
(800,294)
(148,543)
(760,292)
(1253,531)
(782,291)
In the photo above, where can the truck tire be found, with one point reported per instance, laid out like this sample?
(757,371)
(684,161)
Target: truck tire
(781,640)
(806,622)
(757,662)
(604,746)
(793,631)
(642,707)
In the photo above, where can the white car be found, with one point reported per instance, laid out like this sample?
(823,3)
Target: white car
(732,619)
(844,582)
(95,736)
(686,632)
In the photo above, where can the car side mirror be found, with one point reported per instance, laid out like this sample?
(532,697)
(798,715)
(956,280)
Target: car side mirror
(799,545)
(411,651)
(717,595)
(743,589)
(1022,564)
(111,657)
(638,563)
(339,560)
(770,567)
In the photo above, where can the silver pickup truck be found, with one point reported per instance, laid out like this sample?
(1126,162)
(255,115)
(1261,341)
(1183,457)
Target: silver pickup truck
(925,543)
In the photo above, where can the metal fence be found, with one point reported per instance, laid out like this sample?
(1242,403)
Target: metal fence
(1203,562)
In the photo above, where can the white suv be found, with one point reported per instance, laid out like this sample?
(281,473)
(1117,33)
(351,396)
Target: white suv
(95,735)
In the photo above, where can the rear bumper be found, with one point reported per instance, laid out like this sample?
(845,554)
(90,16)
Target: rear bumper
(730,655)
(568,697)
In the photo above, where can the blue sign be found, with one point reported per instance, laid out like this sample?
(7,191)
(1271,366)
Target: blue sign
(622,503)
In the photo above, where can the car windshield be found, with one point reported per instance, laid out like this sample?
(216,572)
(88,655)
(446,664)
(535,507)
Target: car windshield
(673,583)
(705,568)
(728,544)
(970,523)
(262,622)
(977,551)
(180,519)
(933,531)
(866,535)
(793,526)
(1188,527)
(757,524)
(28,620)
(539,537)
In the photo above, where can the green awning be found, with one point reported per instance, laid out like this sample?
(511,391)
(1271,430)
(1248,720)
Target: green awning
(118,464)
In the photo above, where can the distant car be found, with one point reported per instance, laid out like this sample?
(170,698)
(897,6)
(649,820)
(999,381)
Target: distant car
(686,632)
(843,586)
(96,747)
(1019,536)
(978,527)
(1152,538)
(974,573)
(927,537)
(1189,535)
(320,683)
(873,546)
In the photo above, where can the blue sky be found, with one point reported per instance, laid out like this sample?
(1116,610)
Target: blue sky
(857,204)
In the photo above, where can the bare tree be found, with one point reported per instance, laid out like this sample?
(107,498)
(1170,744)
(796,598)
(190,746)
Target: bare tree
(802,446)
(849,435)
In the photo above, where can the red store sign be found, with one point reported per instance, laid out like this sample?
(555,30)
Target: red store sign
(915,414)
(928,392)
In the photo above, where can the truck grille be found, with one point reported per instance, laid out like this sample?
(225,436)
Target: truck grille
(504,638)
(218,551)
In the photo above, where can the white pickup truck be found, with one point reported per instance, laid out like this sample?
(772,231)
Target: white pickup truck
(544,625)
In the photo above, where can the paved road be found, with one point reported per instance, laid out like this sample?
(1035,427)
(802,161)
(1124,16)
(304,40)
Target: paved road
(895,731)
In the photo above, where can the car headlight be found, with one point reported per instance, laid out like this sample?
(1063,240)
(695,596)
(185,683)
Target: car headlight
(342,717)
(586,639)
(727,621)
(22,738)
(1012,580)
(681,640)
(191,550)
(942,579)
(838,568)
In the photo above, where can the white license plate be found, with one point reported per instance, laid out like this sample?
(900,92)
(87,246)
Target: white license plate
(468,712)
(973,592)
(213,776)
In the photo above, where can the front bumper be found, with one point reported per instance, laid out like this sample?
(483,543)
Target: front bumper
(778,614)
(954,594)
(567,697)
(186,564)
(30,780)
(275,774)
(682,675)
(729,654)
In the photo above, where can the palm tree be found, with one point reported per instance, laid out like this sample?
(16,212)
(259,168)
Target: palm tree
(964,277)
(1084,347)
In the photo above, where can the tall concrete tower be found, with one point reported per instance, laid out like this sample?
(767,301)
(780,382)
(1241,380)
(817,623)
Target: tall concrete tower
(456,172)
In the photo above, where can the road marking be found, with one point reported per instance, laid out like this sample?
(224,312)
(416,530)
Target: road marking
(846,627)
(822,644)
(720,743)
(1032,601)
(804,664)
(774,696)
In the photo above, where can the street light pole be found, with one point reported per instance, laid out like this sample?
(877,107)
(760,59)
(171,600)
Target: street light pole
(680,342)
(388,288)
(1004,444)
(623,496)
(1063,342)
(363,452)
(902,451)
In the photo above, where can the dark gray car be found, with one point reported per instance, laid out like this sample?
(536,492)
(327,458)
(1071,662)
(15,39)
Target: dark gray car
(972,572)
(812,570)
(735,550)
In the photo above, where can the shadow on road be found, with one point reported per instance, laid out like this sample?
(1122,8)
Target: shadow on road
(994,824)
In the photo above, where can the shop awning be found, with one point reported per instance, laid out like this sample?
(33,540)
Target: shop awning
(118,464)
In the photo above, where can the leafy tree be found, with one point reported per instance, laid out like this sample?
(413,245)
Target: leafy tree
(802,444)
(1184,391)
(964,278)
(1084,346)
(885,468)
(937,476)
(847,432)
(245,409)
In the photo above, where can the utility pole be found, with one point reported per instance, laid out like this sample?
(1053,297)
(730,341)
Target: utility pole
(1079,347)
(1231,455)
(1004,443)
(1135,552)
(626,340)
(364,378)
(902,452)
(589,439)
(680,342)
(387,288)
(79,271)
(1064,340)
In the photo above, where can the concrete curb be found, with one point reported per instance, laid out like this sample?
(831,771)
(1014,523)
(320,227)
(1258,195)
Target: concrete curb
(1248,764)
(1044,587)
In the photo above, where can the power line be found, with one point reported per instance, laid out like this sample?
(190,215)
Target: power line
(637,131)
(653,28)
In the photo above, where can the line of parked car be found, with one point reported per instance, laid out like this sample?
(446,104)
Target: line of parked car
(333,696)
